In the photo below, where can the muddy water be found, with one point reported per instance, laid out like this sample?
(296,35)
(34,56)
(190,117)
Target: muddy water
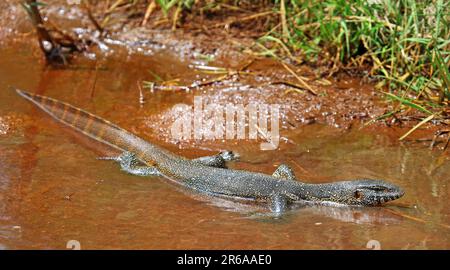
(52,188)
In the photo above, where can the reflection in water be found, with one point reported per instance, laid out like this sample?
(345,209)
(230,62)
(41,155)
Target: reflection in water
(352,214)
(358,215)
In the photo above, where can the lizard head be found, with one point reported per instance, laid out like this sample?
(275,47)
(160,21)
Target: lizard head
(361,192)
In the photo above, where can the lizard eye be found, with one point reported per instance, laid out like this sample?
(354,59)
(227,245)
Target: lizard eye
(358,194)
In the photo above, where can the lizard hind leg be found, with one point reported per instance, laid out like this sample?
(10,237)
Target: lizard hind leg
(130,164)
(284,172)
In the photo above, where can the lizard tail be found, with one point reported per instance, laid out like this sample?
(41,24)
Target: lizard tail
(89,124)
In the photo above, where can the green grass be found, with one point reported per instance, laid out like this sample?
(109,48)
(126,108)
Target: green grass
(166,5)
(404,43)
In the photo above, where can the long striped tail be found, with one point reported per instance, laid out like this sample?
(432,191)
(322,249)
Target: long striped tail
(96,127)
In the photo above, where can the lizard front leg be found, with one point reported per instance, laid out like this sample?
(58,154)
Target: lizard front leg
(218,160)
(130,164)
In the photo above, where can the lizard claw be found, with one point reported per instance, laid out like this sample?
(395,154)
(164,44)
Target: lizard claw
(124,156)
(108,158)
(229,155)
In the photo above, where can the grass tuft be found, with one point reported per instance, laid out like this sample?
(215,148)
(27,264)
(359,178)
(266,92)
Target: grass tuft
(405,43)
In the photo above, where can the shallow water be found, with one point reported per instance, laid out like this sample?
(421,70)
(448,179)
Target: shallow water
(53,189)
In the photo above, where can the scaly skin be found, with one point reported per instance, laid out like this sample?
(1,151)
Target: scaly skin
(278,189)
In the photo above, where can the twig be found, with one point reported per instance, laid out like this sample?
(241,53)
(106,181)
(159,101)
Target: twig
(447,143)
(436,136)
(49,46)
(92,18)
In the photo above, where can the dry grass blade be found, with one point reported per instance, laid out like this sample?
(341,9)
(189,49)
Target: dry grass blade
(150,8)
(86,6)
(295,87)
(204,68)
(175,17)
(414,218)
(302,82)
(114,6)
(284,26)
(417,126)
(246,18)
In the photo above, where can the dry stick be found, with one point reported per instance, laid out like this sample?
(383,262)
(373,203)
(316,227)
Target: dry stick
(36,19)
(92,18)
(195,85)
(436,136)
(305,85)
(51,46)
(151,7)
(54,28)
(447,143)
(433,141)
(228,72)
